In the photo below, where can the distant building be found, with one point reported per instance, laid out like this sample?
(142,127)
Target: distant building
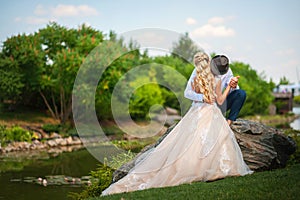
(293,88)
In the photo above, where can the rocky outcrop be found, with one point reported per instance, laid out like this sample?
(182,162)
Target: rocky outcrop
(263,147)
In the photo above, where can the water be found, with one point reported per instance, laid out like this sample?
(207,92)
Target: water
(296,123)
(75,164)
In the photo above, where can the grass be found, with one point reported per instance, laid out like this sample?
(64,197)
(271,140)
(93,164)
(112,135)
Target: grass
(277,184)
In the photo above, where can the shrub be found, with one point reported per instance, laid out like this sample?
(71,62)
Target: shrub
(297,99)
(2,134)
(295,157)
(15,133)
(103,174)
(50,128)
(143,99)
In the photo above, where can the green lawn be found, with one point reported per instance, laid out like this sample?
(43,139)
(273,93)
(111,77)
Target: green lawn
(277,184)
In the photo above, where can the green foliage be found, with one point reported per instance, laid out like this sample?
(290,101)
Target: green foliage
(104,175)
(131,145)
(11,84)
(143,99)
(295,135)
(50,128)
(297,99)
(118,160)
(66,49)
(2,134)
(259,92)
(14,133)
(115,70)
(283,81)
(21,63)
(174,75)
(42,67)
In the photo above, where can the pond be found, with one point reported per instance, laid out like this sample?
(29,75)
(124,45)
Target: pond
(296,123)
(14,170)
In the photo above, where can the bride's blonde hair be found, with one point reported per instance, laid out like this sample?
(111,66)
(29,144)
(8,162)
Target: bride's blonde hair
(204,81)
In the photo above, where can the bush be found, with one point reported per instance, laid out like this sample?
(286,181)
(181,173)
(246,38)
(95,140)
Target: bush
(103,174)
(295,157)
(50,128)
(297,99)
(143,99)
(14,133)
(2,134)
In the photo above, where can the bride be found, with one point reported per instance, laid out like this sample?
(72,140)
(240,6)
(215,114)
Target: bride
(201,147)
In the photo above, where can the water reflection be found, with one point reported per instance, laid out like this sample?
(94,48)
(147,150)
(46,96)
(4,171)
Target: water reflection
(74,164)
(296,123)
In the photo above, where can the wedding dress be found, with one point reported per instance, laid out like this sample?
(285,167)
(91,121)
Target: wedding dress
(201,147)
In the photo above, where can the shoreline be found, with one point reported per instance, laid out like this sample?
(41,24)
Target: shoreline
(55,145)
(58,144)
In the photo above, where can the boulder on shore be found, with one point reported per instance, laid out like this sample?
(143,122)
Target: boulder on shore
(263,147)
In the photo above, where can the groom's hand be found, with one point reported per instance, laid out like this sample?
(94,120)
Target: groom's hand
(234,82)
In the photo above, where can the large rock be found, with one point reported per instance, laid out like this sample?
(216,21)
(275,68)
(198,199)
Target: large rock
(263,147)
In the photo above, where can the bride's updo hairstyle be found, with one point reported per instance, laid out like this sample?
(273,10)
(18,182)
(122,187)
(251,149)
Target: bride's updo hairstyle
(204,82)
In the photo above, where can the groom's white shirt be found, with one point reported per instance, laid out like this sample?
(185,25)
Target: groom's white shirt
(189,93)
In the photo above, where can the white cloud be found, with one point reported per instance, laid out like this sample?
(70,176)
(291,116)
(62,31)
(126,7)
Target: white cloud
(214,28)
(209,30)
(36,20)
(71,10)
(190,21)
(44,14)
(40,10)
(216,20)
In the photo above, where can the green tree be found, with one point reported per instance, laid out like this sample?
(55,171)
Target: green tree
(112,75)
(284,81)
(185,47)
(11,84)
(21,64)
(259,92)
(174,80)
(65,51)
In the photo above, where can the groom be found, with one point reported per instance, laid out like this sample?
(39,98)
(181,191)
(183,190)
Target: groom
(236,98)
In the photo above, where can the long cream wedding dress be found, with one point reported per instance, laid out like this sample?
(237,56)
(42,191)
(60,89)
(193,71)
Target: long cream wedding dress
(201,147)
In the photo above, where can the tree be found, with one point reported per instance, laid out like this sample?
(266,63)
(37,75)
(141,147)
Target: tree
(21,64)
(259,92)
(284,81)
(11,84)
(65,51)
(185,47)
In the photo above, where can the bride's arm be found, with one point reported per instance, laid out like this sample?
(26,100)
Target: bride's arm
(221,97)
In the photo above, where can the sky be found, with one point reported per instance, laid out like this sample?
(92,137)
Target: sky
(262,33)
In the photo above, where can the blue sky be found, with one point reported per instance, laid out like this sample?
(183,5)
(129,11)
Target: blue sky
(262,33)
